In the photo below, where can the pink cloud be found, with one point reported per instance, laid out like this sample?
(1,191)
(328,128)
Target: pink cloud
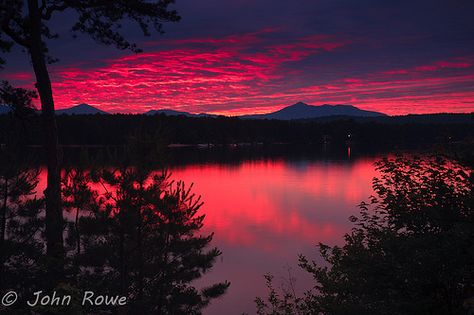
(254,73)
(190,77)
(457,63)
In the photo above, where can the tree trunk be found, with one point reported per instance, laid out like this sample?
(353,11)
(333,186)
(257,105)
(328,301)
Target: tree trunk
(3,227)
(54,216)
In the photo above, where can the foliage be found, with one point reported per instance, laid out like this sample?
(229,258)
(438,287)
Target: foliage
(284,303)
(22,252)
(410,252)
(102,20)
(129,233)
(18,99)
(21,224)
(140,239)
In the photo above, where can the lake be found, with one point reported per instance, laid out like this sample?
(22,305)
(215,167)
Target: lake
(266,211)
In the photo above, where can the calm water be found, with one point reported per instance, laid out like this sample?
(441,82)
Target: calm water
(265,213)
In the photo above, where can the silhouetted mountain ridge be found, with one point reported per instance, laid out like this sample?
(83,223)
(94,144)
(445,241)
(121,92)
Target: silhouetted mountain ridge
(299,110)
(172,112)
(168,112)
(304,111)
(80,109)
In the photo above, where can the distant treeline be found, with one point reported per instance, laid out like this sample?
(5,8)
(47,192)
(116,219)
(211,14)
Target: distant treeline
(386,132)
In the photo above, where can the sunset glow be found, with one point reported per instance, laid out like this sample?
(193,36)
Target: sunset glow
(259,67)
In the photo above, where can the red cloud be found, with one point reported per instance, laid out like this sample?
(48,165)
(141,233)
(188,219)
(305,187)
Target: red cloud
(255,73)
(196,75)
(444,64)
(438,65)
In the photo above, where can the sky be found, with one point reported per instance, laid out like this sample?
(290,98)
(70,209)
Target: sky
(240,57)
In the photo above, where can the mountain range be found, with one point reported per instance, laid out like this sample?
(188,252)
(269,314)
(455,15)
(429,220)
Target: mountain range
(297,111)
(172,112)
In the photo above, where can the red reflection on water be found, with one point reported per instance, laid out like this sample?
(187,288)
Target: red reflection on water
(256,203)
(265,213)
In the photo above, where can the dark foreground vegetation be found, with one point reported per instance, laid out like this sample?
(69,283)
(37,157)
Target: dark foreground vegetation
(128,230)
(411,250)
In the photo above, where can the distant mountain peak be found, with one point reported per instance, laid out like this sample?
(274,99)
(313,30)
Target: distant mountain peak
(172,112)
(80,109)
(302,110)
(83,105)
(167,112)
(299,104)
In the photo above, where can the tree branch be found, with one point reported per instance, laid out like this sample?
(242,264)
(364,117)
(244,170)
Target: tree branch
(13,35)
(46,15)
(5,26)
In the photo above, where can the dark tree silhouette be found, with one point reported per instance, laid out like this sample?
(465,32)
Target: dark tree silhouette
(136,233)
(411,251)
(19,100)
(26,23)
(21,224)
(21,213)
(128,231)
